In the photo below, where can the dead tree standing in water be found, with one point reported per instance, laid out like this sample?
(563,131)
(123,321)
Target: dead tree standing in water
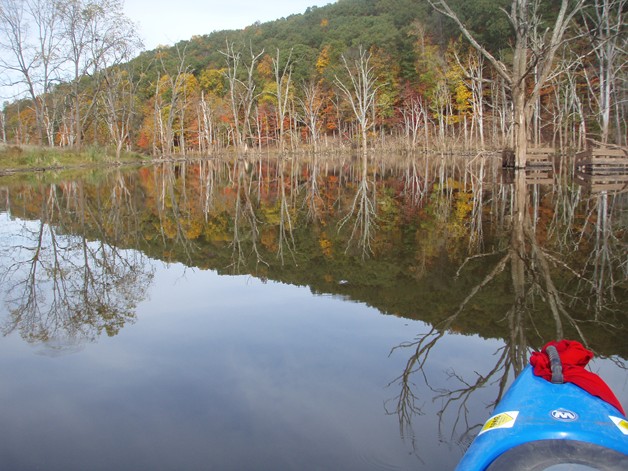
(532,61)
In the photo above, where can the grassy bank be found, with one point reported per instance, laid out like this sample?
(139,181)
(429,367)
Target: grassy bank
(33,158)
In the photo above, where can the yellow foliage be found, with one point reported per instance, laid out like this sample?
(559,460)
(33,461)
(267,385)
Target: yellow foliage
(323,59)
(169,228)
(268,94)
(463,98)
(265,67)
(273,214)
(325,245)
(217,229)
(464,205)
(213,81)
(193,229)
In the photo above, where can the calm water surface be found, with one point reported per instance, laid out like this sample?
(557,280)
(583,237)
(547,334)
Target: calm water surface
(263,315)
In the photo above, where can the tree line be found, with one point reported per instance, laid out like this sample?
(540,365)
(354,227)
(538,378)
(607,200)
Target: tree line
(411,74)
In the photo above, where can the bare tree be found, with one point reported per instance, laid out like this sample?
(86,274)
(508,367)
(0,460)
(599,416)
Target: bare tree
(3,126)
(415,116)
(313,199)
(241,91)
(283,81)
(473,67)
(168,111)
(63,290)
(310,106)
(31,39)
(532,280)
(246,230)
(206,126)
(364,212)
(604,25)
(119,100)
(97,35)
(360,90)
(286,226)
(533,58)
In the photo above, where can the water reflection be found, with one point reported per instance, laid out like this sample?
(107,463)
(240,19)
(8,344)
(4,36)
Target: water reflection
(61,287)
(447,240)
(362,212)
(558,286)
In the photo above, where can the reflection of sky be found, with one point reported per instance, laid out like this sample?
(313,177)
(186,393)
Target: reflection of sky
(11,230)
(231,373)
(222,370)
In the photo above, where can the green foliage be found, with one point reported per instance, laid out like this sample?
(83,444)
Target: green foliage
(344,24)
(486,20)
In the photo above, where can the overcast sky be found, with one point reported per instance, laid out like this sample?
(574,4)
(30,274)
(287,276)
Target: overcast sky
(164,22)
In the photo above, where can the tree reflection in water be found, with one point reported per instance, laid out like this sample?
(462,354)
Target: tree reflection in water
(595,284)
(440,239)
(63,288)
(362,211)
(245,222)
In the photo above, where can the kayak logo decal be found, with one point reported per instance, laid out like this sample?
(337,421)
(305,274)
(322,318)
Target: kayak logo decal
(503,420)
(564,415)
(622,424)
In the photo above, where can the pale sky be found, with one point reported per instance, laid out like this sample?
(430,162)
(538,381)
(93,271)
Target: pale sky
(164,22)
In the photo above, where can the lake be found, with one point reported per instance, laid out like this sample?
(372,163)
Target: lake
(292,314)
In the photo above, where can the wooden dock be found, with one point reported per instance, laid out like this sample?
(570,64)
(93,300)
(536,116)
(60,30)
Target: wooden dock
(603,158)
(540,156)
(535,157)
(534,176)
(539,176)
(599,182)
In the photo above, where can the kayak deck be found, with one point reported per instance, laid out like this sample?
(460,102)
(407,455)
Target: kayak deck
(537,420)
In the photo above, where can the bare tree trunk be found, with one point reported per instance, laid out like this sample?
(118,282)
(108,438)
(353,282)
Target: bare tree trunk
(283,78)
(167,113)
(118,102)
(241,92)
(530,51)
(3,126)
(360,91)
(33,57)
(206,125)
(604,24)
(310,106)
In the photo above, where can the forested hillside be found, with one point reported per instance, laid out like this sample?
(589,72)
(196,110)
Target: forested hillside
(371,73)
